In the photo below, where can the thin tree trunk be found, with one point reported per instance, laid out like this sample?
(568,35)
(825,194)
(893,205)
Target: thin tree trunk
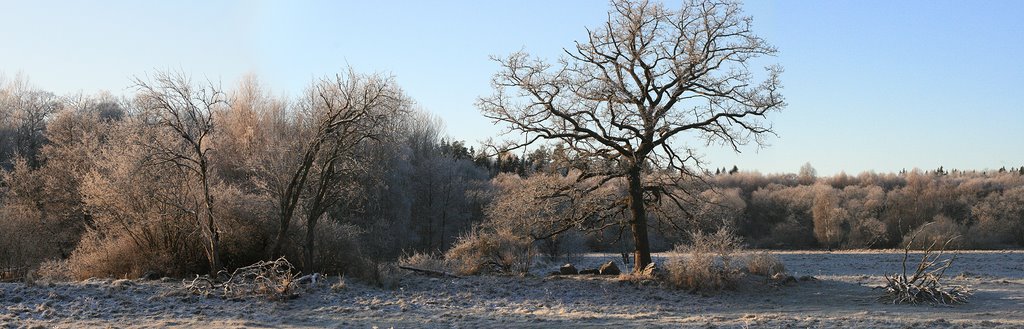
(430,219)
(284,217)
(211,222)
(638,224)
(310,243)
(318,206)
(290,196)
(444,219)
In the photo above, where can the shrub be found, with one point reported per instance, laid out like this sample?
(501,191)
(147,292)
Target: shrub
(20,240)
(765,264)
(377,273)
(865,233)
(424,261)
(167,249)
(338,248)
(495,251)
(54,271)
(705,263)
(695,271)
(246,226)
(29,232)
(942,231)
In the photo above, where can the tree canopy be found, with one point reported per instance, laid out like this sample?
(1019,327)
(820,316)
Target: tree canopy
(636,89)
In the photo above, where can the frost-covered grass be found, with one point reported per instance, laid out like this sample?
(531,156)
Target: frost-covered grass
(842,297)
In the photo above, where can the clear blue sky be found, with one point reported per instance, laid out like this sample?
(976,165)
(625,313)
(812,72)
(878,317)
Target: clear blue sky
(871,85)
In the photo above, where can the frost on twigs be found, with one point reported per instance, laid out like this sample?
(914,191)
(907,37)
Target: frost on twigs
(707,263)
(924,285)
(274,280)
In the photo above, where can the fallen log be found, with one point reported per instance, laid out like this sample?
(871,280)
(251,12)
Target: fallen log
(428,272)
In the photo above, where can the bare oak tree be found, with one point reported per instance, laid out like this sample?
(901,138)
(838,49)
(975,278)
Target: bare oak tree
(174,103)
(639,86)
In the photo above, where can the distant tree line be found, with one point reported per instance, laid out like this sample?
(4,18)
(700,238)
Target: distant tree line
(970,209)
(976,209)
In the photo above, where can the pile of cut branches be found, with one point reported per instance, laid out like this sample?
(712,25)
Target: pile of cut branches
(925,285)
(274,280)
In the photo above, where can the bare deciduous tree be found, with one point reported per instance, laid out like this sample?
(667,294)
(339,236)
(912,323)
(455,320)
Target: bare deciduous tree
(171,101)
(639,85)
(828,216)
(361,105)
(314,147)
(24,113)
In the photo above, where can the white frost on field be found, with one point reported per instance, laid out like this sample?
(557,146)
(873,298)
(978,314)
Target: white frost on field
(843,297)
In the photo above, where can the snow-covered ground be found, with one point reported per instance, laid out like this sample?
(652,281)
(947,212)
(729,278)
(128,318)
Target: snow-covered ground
(843,296)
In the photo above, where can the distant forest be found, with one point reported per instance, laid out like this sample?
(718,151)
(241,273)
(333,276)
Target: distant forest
(182,177)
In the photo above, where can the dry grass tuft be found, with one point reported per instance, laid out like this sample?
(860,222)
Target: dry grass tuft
(491,252)
(765,264)
(424,261)
(340,285)
(54,271)
(706,263)
(638,279)
(385,275)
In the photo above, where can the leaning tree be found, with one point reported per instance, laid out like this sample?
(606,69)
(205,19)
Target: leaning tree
(642,85)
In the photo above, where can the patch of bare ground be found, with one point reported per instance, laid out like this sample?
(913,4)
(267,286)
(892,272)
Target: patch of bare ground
(842,295)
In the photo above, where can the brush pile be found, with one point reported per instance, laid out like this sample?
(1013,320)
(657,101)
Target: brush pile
(925,285)
(274,280)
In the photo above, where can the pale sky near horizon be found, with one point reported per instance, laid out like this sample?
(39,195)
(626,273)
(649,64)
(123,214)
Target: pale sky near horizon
(871,85)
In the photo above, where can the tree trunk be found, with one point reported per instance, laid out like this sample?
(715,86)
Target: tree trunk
(283,217)
(289,198)
(430,219)
(211,222)
(215,254)
(444,220)
(310,245)
(318,207)
(638,224)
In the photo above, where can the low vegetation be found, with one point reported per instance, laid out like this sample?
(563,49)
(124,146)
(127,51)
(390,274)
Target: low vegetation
(482,251)
(764,264)
(714,261)
(925,284)
(274,280)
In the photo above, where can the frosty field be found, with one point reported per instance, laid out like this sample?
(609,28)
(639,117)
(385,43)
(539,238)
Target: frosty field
(842,295)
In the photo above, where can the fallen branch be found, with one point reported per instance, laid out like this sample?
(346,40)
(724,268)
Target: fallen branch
(274,280)
(925,285)
(428,272)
